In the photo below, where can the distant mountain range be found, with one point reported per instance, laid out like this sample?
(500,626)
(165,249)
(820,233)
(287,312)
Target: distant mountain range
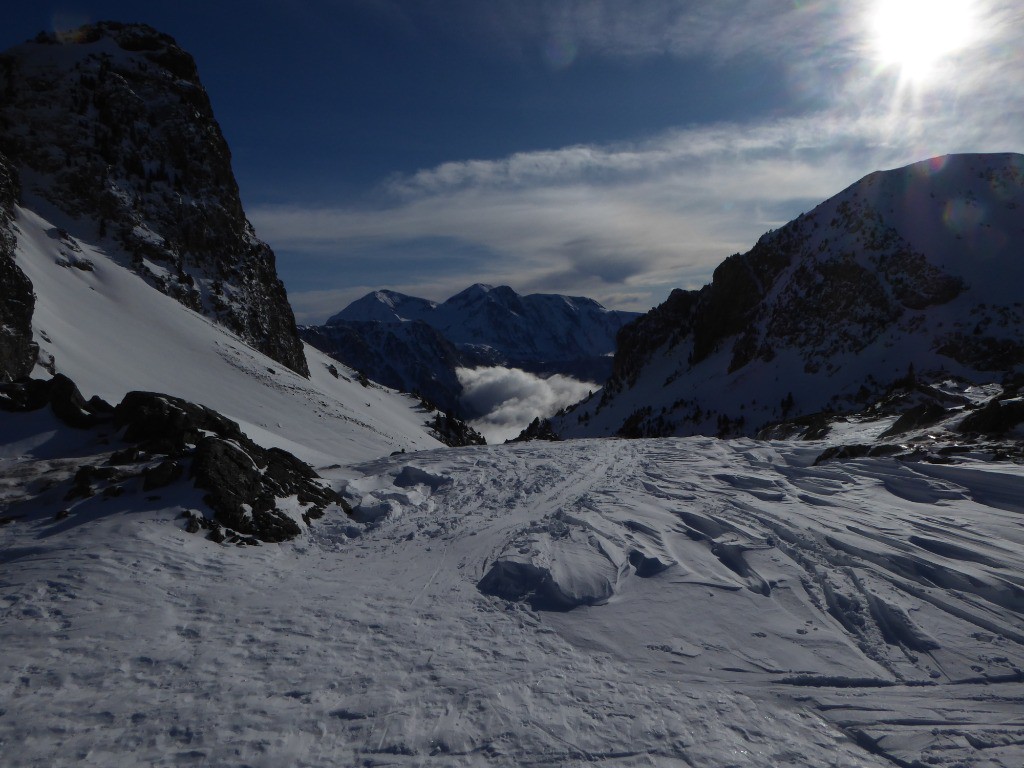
(914,271)
(416,345)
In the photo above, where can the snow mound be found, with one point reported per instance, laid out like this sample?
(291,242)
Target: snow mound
(558,564)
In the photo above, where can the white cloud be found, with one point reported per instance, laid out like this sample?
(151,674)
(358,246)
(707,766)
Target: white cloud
(511,398)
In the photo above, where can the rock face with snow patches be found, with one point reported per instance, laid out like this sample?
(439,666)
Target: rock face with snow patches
(917,269)
(252,493)
(111,125)
(17,350)
(412,357)
(414,344)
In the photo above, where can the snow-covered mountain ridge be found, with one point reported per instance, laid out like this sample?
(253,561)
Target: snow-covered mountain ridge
(110,125)
(416,345)
(112,333)
(918,268)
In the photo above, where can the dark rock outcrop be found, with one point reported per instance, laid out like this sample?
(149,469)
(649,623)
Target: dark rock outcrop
(17,301)
(454,432)
(114,122)
(245,483)
(60,393)
(996,418)
(538,429)
(260,494)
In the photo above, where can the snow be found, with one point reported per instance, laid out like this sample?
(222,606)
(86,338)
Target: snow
(680,602)
(916,211)
(734,605)
(111,333)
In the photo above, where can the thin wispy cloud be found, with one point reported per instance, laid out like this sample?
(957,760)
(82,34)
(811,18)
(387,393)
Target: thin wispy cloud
(625,222)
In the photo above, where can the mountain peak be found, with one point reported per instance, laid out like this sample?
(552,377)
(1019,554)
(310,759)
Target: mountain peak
(117,132)
(475,292)
(383,306)
(917,268)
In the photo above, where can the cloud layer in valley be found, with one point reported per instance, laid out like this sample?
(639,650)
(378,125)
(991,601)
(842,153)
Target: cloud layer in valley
(511,398)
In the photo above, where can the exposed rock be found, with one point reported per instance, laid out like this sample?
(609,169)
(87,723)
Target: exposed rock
(162,424)
(17,301)
(538,429)
(919,416)
(163,474)
(260,494)
(244,482)
(996,418)
(454,432)
(63,397)
(114,122)
(72,408)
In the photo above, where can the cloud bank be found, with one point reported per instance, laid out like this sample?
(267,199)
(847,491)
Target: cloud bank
(511,398)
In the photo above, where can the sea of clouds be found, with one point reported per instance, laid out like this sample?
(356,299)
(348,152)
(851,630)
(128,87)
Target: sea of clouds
(511,398)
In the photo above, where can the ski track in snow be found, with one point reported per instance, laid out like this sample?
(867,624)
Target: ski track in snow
(857,614)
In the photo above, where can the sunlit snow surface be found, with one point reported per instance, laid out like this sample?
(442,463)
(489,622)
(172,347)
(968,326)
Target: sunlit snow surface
(854,614)
(736,606)
(111,333)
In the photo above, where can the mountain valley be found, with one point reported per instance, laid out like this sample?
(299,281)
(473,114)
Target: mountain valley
(788,530)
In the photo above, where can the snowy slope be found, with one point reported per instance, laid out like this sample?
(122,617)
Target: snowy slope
(749,610)
(112,333)
(920,266)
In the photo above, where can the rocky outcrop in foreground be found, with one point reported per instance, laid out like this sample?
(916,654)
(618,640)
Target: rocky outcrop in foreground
(155,442)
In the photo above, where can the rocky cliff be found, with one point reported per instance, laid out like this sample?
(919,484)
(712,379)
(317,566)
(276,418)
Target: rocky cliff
(17,350)
(111,126)
(916,269)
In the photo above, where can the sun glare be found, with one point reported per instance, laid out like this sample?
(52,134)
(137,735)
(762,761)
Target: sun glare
(915,35)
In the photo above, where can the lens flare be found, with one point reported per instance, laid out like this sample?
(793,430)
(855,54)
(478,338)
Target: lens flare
(915,35)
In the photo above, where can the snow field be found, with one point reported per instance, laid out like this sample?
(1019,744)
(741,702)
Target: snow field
(841,615)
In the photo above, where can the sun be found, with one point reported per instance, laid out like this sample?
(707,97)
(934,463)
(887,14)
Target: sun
(916,35)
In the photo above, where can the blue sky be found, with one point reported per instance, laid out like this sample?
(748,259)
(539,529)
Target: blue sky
(597,147)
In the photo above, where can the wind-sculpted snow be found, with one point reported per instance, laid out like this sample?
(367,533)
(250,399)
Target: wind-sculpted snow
(685,602)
